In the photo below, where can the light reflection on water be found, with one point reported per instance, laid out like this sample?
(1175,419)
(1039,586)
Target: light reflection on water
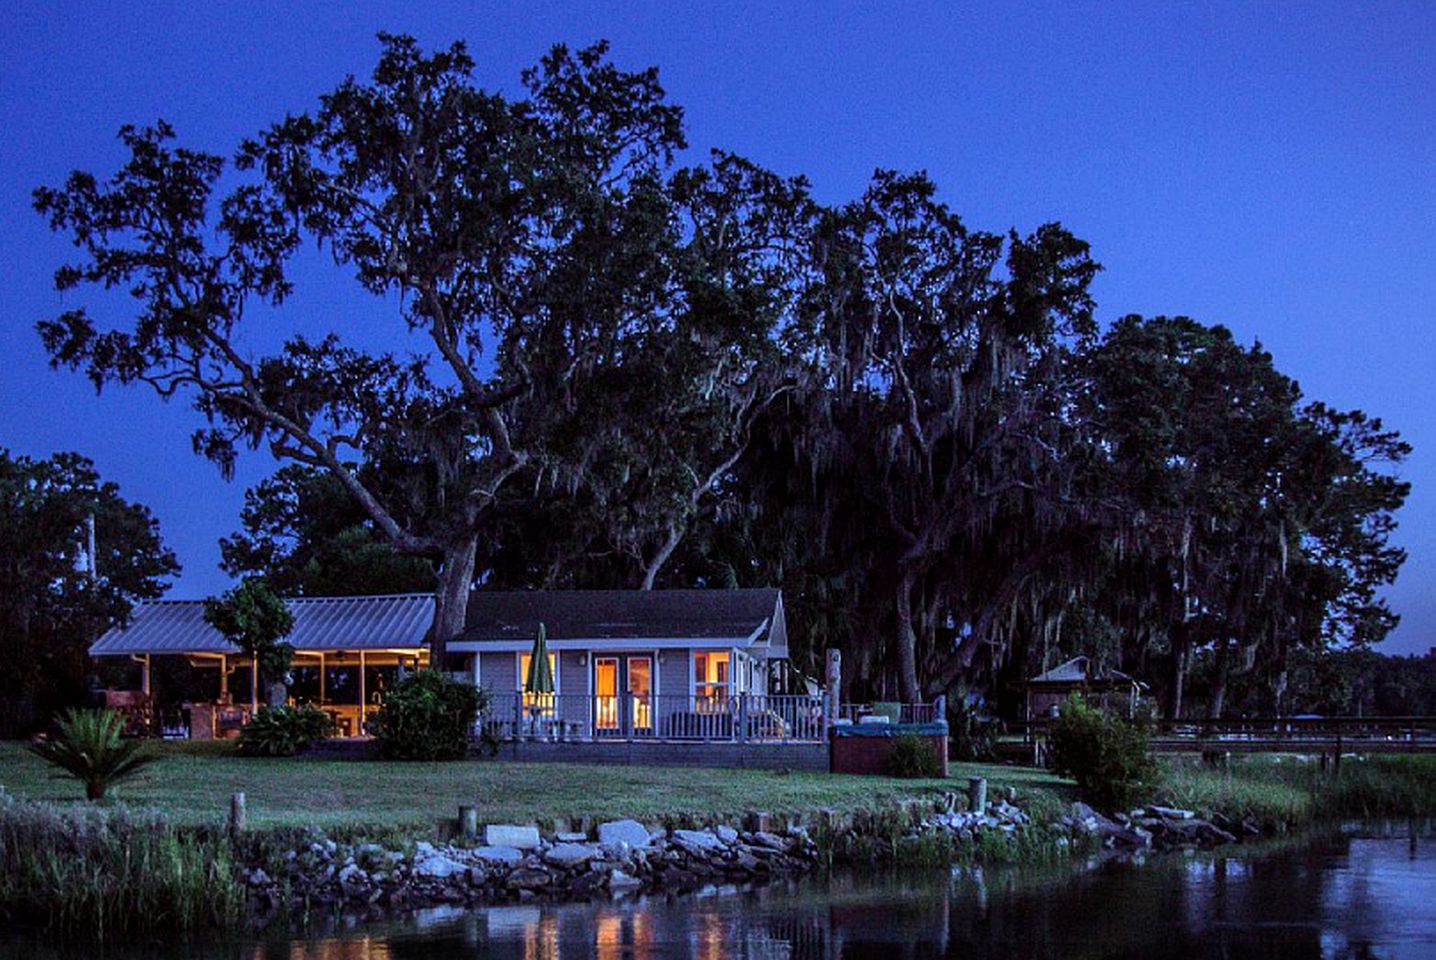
(1347,897)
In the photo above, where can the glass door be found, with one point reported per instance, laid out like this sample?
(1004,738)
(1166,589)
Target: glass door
(605,699)
(640,694)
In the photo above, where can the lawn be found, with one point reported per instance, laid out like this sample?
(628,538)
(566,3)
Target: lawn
(194,786)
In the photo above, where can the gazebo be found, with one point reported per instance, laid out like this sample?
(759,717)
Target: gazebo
(1108,687)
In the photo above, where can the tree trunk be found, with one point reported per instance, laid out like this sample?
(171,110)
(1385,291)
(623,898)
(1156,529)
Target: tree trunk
(1179,676)
(454,580)
(670,543)
(1219,687)
(907,642)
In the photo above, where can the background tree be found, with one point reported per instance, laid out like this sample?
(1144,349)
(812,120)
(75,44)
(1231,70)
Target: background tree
(530,228)
(1242,523)
(307,536)
(51,609)
(255,619)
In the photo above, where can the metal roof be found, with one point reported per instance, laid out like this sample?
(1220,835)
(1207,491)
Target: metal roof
(744,617)
(320,623)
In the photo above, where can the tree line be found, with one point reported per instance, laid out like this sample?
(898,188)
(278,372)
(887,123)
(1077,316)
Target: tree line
(601,365)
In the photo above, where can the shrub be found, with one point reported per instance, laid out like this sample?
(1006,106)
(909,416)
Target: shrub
(1106,756)
(913,758)
(91,749)
(284,731)
(973,729)
(427,716)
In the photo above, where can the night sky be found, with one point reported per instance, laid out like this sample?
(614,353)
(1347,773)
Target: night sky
(1269,167)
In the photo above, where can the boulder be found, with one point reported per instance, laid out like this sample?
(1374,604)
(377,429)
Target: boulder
(567,836)
(511,835)
(529,878)
(630,832)
(618,880)
(697,841)
(439,867)
(498,854)
(570,854)
(726,833)
(1170,813)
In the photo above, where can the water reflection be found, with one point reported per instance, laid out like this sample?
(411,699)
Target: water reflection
(1343,897)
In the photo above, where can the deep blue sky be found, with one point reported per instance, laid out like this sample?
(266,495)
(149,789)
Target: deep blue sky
(1270,167)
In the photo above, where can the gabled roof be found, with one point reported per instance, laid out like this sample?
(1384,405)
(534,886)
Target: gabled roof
(320,623)
(1078,670)
(508,620)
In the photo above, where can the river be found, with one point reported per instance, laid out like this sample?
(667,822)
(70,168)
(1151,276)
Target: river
(1359,893)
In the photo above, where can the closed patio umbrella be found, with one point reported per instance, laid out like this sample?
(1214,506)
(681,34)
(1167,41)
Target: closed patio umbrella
(540,678)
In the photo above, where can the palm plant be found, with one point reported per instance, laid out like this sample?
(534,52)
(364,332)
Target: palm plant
(90,748)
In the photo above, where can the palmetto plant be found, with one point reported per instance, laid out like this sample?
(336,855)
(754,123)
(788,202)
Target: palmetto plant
(90,748)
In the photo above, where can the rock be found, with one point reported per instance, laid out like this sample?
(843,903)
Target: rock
(438,867)
(258,878)
(618,880)
(511,835)
(697,841)
(570,854)
(1170,813)
(726,833)
(529,878)
(618,850)
(571,837)
(630,832)
(498,854)
(770,840)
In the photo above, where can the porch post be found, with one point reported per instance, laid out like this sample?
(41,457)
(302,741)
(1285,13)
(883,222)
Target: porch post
(254,685)
(321,677)
(363,694)
(223,675)
(145,675)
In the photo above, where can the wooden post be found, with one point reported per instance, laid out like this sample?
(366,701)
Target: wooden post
(223,676)
(468,820)
(236,814)
(743,717)
(363,695)
(976,794)
(834,683)
(322,691)
(145,675)
(254,684)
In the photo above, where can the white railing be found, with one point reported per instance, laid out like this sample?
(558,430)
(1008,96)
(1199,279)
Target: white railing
(745,718)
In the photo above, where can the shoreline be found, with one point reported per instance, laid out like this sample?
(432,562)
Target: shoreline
(194,875)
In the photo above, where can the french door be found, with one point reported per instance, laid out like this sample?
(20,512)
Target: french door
(623,695)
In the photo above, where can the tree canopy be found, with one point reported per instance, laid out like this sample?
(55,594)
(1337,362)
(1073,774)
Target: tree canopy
(52,607)
(594,364)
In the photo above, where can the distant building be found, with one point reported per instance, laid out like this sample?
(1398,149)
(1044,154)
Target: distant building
(1112,690)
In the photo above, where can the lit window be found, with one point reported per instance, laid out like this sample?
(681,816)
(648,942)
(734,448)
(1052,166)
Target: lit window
(710,679)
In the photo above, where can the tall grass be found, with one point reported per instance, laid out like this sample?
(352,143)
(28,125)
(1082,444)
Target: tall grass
(1281,792)
(103,872)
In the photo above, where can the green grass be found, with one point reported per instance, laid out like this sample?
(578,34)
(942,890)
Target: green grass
(1284,791)
(193,786)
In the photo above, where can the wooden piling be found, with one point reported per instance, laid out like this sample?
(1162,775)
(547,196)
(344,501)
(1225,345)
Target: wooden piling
(468,821)
(237,814)
(976,794)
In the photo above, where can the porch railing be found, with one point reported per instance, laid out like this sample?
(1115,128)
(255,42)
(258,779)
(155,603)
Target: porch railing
(744,717)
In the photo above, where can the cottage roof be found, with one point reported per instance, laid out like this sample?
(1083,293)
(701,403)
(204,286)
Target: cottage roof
(595,619)
(394,621)
(1079,670)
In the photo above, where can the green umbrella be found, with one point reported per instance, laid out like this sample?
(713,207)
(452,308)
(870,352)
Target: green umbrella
(540,678)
